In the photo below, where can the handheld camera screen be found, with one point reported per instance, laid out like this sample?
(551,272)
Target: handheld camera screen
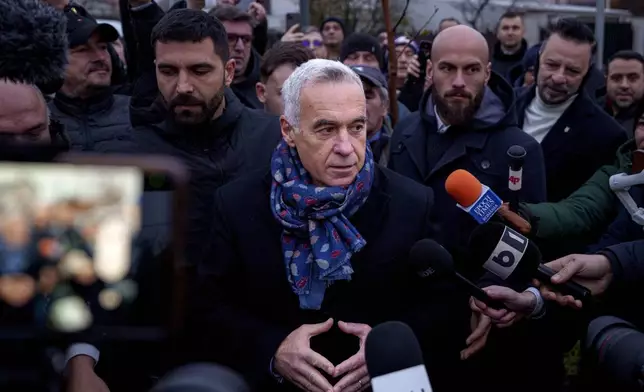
(67,232)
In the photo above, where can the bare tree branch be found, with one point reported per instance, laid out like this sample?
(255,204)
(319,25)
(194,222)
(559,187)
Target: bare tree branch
(473,10)
(359,15)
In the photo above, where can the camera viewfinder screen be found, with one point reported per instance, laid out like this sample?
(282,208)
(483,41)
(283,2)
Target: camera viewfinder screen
(66,242)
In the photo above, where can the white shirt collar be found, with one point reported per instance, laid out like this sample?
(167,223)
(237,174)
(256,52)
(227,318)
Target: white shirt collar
(441,126)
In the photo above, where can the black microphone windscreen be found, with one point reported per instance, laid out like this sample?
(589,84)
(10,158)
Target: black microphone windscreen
(484,241)
(426,254)
(202,377)
(390,347)
(516,151)
(33,43)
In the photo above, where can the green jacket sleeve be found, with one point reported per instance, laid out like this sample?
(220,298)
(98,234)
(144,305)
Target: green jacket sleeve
(588,208)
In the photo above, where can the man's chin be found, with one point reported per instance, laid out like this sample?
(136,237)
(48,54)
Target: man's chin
(191,119)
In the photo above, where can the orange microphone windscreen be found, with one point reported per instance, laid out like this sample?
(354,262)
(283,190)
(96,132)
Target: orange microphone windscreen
(463,187)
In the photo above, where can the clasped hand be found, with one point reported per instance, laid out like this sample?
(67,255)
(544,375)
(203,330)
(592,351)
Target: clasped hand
(517,304)
(298,363)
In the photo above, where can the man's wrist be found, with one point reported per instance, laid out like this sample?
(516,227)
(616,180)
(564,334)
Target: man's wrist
(537,302)
(82,353)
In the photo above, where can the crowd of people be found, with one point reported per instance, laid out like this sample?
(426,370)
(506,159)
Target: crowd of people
(306,195)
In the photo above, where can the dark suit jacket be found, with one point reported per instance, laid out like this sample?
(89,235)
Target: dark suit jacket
(246,308)
(583,139)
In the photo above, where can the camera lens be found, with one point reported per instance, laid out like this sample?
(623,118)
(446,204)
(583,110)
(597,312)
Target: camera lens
(617,348)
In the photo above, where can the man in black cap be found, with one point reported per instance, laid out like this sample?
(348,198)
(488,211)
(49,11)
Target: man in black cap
(332,30)
(364,50)
(378,126)
(361,49)
(93,116)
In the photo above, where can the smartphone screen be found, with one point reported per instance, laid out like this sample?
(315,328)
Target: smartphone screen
(293,19)
(67,241)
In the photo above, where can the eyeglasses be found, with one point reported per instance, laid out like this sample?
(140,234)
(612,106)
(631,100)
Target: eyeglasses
(233,38)
(312,43)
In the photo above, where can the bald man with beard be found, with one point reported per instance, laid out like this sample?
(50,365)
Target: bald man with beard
(467,121)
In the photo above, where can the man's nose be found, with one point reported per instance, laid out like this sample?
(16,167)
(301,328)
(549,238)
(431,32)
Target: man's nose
(559,77)
(459,80)
(184,85)
(343,144)
(624,83)
(239,45)
(99,54)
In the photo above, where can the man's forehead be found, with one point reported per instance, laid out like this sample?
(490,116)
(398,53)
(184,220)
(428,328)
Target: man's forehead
(351,100)
(20,120)
(460,58)
(561,44)
(511,21)
(625,65)
(237,27)
(186,53)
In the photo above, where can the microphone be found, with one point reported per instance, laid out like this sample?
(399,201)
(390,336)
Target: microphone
(429,258)
(202,377)
(480,201)
(33,44)
(394,359)
(511,256)
(515,176)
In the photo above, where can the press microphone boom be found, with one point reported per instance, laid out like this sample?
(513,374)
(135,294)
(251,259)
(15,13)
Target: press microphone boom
(480,201)
(395,360)
(515,176)
(429,258)
(202,377)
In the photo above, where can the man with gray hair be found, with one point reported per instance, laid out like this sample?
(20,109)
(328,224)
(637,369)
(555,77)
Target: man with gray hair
(304,260)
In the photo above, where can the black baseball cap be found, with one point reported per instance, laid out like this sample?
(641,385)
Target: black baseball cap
(81,26)
(371,74)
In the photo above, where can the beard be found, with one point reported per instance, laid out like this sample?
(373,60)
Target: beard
(458,112)
(200,113)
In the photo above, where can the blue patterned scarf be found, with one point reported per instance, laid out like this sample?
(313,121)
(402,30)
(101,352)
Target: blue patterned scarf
(318,240)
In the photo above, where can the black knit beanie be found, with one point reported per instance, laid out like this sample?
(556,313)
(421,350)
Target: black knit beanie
(360,42)
(333,19)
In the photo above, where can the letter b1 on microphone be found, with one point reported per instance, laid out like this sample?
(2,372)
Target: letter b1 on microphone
(507,254)
(511,256)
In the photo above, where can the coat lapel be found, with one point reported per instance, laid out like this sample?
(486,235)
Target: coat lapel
(568,128)
(462,143)
(416,144)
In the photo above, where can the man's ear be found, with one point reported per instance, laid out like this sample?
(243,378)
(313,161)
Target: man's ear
(229,72)
(287,131)
(488,72)
(260,90)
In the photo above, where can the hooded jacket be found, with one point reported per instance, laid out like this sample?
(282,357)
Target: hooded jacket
(418,151)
